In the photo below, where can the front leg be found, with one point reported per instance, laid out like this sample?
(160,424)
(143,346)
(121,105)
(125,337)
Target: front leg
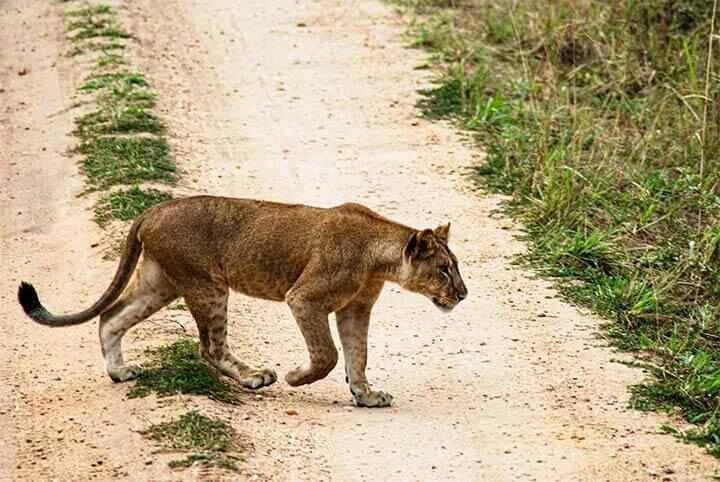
(313,322)
(353,321)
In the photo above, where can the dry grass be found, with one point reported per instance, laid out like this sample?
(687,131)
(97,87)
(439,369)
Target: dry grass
(602,120)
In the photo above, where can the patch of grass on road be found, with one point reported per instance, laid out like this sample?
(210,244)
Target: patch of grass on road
(105,47)
(89,11)
(209,441)
(124,103)
(110,59)
(114,80)
(128,204)
(602,121)
(117,120)
(110,161)
(122,139)
(178,368)
(94,22)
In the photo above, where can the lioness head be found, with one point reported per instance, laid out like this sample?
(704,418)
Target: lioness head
(431,269)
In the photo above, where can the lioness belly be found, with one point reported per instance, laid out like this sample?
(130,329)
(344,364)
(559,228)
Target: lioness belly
(267,274)
(261,285)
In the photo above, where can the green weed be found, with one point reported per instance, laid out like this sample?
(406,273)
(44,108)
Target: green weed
(93,22)
(106,47)
(178,368)
(110,161)
(578,254)
(110,60)
(100,9)
(120,80)
(209,440)
(127,205)
(118,120)
(442,101)
(102,29)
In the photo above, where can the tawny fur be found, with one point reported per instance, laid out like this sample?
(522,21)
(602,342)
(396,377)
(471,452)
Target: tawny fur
(317,260)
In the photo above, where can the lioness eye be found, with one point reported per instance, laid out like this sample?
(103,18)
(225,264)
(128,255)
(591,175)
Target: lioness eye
(446,272)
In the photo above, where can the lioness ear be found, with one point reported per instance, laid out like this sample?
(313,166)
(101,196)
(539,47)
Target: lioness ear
(420,244)
(443,232)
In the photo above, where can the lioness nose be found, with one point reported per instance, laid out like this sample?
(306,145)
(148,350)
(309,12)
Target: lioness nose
(462,295)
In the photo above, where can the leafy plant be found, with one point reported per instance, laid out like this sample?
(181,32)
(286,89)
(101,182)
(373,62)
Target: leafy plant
(210,441)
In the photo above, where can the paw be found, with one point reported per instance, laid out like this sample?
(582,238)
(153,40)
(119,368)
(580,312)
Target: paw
(124,373)
(369,398)
(258,379)
(296,377)
(313,373)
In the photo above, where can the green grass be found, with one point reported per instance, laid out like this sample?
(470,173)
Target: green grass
(111,60)
(94,22)
(106,47)
(128,204)
(114,80)
(124,101)
(100,9)
(120,119)
(90,30)
(599,123)
(210,441)
(110,161)
(113,153)
(178,368)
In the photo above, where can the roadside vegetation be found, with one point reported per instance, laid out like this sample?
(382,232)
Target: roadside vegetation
(178,368)
(121,138)
(602,121)
(207,441)
(128,204)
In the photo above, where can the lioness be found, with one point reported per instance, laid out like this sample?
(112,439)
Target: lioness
(317,260)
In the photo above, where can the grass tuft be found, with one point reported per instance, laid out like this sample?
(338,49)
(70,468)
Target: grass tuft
(111,161)
(110,60)
(178,368)
(118,120)
(128,204)
(100,9)
(94,22)
(115,80)
(209,440)
(106,47)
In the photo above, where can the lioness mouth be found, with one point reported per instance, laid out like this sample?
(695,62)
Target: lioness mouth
(441,304)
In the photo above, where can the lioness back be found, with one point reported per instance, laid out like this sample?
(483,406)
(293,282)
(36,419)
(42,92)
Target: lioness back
(258,248)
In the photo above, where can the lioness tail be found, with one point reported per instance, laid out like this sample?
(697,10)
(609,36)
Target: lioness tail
(28,297)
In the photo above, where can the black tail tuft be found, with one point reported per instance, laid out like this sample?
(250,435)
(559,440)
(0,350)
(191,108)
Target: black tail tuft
(28,298)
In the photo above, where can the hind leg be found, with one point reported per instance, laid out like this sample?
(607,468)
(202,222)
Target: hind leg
(209,308)
(149,290)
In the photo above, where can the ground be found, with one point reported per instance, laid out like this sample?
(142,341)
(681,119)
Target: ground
(307,101)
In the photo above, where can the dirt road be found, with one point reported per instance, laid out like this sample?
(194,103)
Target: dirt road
(305,101)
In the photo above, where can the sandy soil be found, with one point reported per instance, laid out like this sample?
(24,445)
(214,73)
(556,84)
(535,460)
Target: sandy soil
(304,101)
